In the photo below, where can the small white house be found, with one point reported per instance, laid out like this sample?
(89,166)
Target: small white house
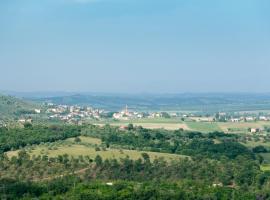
(38,111)
(22,120)
(250,119)
(235,120)
(263,118)
(254,130)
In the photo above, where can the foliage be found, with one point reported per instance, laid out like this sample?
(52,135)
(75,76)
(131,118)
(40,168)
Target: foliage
(11,107)
(19,137)
(181,142)
(259,149)
(219,167)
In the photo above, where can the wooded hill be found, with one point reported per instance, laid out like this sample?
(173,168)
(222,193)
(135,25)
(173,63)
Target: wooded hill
(12,108)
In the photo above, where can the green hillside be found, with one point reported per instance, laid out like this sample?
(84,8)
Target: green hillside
(11,107)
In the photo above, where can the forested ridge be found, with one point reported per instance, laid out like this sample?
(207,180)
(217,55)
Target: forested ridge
(18,137)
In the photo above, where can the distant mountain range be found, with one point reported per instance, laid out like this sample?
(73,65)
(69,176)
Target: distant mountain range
(201,102)
(211,102)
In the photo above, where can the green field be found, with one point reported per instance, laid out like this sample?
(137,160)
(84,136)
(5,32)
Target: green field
(177,123)
(168,126)
(241,126)
(84,148)
(203,126)
(144,120)
(265,167)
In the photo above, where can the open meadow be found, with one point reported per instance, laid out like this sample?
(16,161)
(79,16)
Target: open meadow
(90,147)
(203,126)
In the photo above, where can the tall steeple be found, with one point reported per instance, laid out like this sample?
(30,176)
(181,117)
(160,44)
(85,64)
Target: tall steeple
(126,111)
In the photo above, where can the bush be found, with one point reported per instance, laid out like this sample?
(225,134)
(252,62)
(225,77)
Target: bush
(259,149)
(77,140)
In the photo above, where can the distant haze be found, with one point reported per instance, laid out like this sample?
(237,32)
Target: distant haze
(135,46)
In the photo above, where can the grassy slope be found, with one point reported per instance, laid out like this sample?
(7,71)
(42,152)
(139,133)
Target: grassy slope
(75,150)
(265,167)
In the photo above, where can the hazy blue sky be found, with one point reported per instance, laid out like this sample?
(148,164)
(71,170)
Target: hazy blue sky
(135,45)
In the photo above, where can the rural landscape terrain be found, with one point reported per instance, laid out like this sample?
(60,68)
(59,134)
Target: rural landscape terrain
(134,100)
(63,150)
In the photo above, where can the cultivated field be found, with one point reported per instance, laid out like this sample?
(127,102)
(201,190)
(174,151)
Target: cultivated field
(157,123)
(168,126)
(241,126)
(177,123)
(203,126)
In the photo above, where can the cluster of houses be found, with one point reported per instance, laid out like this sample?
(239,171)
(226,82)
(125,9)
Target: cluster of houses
(125,114)
(250,119)
(77,114)
(25,120)
(72,113)
(226,117)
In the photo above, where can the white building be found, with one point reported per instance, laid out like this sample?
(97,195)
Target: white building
(250,119)
(38,111)
(235,120)
(263,118)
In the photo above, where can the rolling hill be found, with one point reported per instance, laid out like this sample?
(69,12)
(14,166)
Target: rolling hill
(210,103)
(11,107)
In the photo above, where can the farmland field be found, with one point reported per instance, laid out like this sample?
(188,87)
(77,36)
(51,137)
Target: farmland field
(177,123)
(265,167)
(157,123)
(203,126)
(168,126)
(241,126)
(147,120)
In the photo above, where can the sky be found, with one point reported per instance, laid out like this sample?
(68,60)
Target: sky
(134,46)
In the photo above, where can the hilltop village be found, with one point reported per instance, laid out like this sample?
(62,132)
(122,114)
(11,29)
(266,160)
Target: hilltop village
(66,113)
(74,114)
